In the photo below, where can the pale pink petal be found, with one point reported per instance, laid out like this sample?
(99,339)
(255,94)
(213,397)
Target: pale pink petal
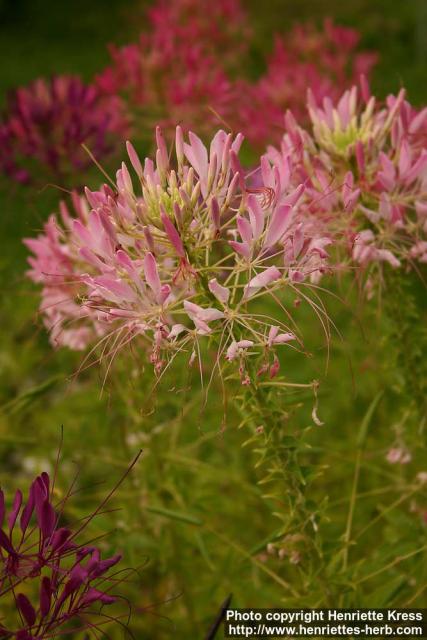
(135,161)
(282,338)
(232,351)
(241,248)
(176,330)
(388,256)
(256,216)
(280,221)
(204,314)
(261,280)
(165,292)
(221,293)
(234,347)
(293,197)
(179,145)
(404,159)
(152,274)
(173,235)
(197,155)
(245,229)
(417,168)
(162,152)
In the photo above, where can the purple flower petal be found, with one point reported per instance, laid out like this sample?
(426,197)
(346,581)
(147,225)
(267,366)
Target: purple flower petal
(27,512)
(46,517)
(45,596)
(26,608)
(104,565)
(93,595)
(59,538)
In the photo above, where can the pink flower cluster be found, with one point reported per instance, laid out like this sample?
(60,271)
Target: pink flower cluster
(46,123)
(188,69)
(194,248)
(186,256)
(177,72)
(365,166)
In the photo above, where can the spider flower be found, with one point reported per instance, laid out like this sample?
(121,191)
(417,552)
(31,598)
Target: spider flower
(187,69)
(182,253)
(51,581)
(46,123)
(364,165)
(222,31)
(178,70)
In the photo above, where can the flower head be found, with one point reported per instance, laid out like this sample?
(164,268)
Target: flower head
(46,123)
(185,255)
(178,70)
(364,165)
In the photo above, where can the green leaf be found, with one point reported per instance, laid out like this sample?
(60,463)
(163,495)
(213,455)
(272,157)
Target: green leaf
(363,430)
(175,515)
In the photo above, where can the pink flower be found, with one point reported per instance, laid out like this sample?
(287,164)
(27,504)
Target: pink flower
(306,57)
(261,280)
(156,262)
(46,123)
(180,64)
(364,169)
(187,65)
(398,455)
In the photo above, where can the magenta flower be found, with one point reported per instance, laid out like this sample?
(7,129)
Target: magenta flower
(222,31)
(46,123)
(51,582)
(178,71)
(187,69)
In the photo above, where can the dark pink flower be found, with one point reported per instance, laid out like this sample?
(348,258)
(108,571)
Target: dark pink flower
(48,575)
(46,123)
(189,67)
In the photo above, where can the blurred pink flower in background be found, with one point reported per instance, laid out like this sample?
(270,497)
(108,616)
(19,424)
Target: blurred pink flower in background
(46,123)
(190,68)
(178,71)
